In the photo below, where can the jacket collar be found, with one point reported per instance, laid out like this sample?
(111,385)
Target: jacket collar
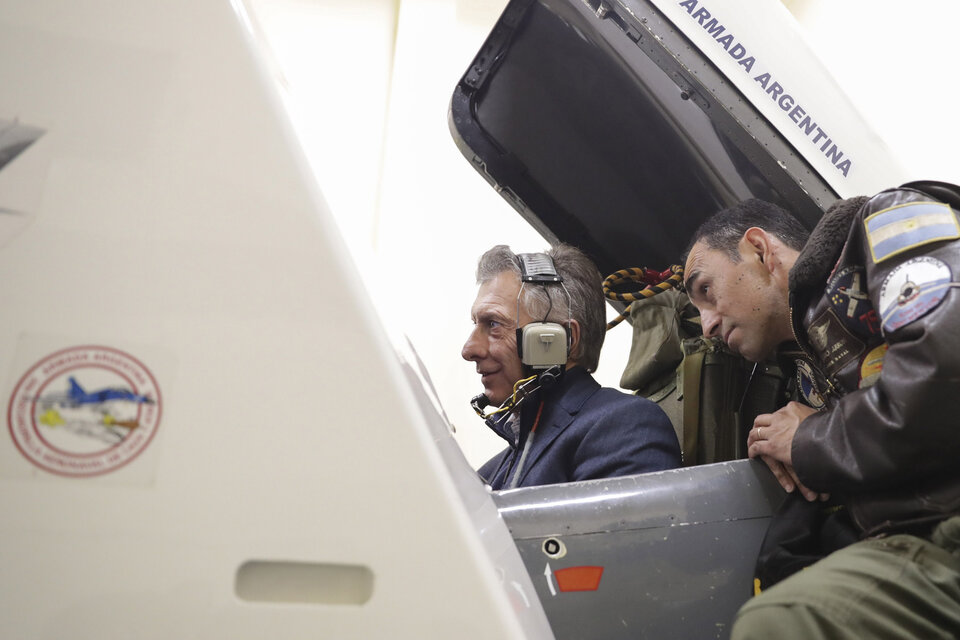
(561,403)
(575,388)
(823,248)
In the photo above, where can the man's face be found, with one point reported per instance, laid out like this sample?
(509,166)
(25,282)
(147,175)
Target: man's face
(739,302)
(492,344)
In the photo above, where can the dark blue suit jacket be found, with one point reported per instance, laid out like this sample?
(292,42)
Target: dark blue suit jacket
(585,432)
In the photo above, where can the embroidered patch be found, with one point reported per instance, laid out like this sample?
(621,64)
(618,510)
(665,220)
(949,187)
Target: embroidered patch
(836,346)
(807,384)
(908,226)
(851,303)
(872,365)
(911,290)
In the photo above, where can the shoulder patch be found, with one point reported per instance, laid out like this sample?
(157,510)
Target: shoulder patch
(849,299)
(911,290)
(907,226)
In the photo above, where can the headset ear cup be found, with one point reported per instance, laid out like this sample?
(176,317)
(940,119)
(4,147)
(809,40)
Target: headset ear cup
(542,344)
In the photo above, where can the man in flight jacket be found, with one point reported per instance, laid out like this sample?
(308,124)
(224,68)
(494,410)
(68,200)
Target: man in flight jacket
(866,314)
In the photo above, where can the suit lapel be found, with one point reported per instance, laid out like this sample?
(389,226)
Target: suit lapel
(561,406)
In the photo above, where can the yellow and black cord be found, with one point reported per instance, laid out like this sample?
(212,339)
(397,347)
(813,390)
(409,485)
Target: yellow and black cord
(636,274)
(517,388)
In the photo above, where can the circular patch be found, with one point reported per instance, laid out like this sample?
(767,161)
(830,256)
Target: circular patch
(872,365)
(84,411)
(807,384)
(851,304)
(911,290)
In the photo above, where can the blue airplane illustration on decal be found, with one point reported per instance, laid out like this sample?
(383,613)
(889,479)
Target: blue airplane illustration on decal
(79,396)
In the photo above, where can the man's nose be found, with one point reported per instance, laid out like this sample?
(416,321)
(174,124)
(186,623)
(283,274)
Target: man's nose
(473,348)
(710,322)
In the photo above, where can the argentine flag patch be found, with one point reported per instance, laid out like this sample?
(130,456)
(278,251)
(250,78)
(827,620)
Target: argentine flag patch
(906,226)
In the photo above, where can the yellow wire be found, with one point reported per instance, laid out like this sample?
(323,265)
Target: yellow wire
(513,398)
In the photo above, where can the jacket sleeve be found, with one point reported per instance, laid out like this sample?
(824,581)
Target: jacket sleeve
(908,423)
(636,438)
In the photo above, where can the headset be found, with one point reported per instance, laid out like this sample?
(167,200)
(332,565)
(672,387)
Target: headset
(543,346)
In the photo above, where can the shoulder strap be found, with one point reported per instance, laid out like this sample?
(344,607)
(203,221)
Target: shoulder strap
(692,370)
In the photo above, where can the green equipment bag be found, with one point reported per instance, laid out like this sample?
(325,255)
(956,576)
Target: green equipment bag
(710,394)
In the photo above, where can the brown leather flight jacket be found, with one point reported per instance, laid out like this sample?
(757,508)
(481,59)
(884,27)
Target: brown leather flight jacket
(876,313)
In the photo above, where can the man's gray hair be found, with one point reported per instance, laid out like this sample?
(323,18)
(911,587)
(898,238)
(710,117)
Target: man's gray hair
(583,282)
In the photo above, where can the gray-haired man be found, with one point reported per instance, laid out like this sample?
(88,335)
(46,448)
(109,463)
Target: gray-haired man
(570,428)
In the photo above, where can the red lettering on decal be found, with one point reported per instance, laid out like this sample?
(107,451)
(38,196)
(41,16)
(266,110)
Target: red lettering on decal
(871,320)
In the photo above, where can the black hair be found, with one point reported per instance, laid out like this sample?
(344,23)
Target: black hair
(723,230)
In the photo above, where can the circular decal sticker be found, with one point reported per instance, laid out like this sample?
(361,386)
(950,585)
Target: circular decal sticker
(808,385)
(911,290)
(84,411)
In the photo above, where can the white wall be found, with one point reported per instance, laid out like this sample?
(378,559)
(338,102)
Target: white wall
(898,61)
(410,202)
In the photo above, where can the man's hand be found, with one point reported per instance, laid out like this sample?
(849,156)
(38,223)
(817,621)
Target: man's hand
(771,440)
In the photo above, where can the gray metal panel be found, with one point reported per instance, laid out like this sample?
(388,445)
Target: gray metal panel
(607,128)
(701,82)
(677,548)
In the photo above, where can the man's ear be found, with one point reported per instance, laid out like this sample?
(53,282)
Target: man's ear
(762,245)
(574,328)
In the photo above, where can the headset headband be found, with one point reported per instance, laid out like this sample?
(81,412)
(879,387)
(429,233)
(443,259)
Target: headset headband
(539,268)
